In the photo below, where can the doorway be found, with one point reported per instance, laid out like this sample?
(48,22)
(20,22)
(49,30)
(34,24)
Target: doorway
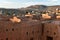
(49,38)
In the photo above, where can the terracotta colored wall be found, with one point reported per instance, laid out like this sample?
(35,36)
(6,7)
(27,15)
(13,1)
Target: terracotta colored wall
(19,31)
(51,30)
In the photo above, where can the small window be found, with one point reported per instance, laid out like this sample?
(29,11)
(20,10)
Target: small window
(6,29)
(31,38)
(54,33)
(47,31)
(49,38)
(27,33)
(6,38)
(12,29)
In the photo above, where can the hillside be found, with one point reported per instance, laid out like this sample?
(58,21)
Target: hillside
(38,8)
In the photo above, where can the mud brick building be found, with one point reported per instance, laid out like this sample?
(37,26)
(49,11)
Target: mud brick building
(25,30)
(51,31)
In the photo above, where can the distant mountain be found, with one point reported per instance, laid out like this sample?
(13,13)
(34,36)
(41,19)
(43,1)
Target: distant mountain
(35,8)
(38,8)
(41,8)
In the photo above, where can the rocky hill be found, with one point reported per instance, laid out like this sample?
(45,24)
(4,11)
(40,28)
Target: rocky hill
(42,7)
(38,8)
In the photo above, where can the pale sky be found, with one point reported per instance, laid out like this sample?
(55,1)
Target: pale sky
(25,3)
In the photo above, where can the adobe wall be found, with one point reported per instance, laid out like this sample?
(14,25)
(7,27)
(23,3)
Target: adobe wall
(20,31)
(51,32)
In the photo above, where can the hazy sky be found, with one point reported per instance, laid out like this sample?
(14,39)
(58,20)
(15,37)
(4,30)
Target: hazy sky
(25,3)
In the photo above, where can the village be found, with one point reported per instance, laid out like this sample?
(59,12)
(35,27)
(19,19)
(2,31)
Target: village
(30,26)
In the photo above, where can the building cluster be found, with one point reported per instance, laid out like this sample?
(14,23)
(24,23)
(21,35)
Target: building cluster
(52,14)
(30,26)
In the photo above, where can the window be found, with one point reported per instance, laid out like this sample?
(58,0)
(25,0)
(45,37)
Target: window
(31,38)
(6,38)
(49,38)
(54,33)
(47,31)
(6,29)
(27,33)
(12,29)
